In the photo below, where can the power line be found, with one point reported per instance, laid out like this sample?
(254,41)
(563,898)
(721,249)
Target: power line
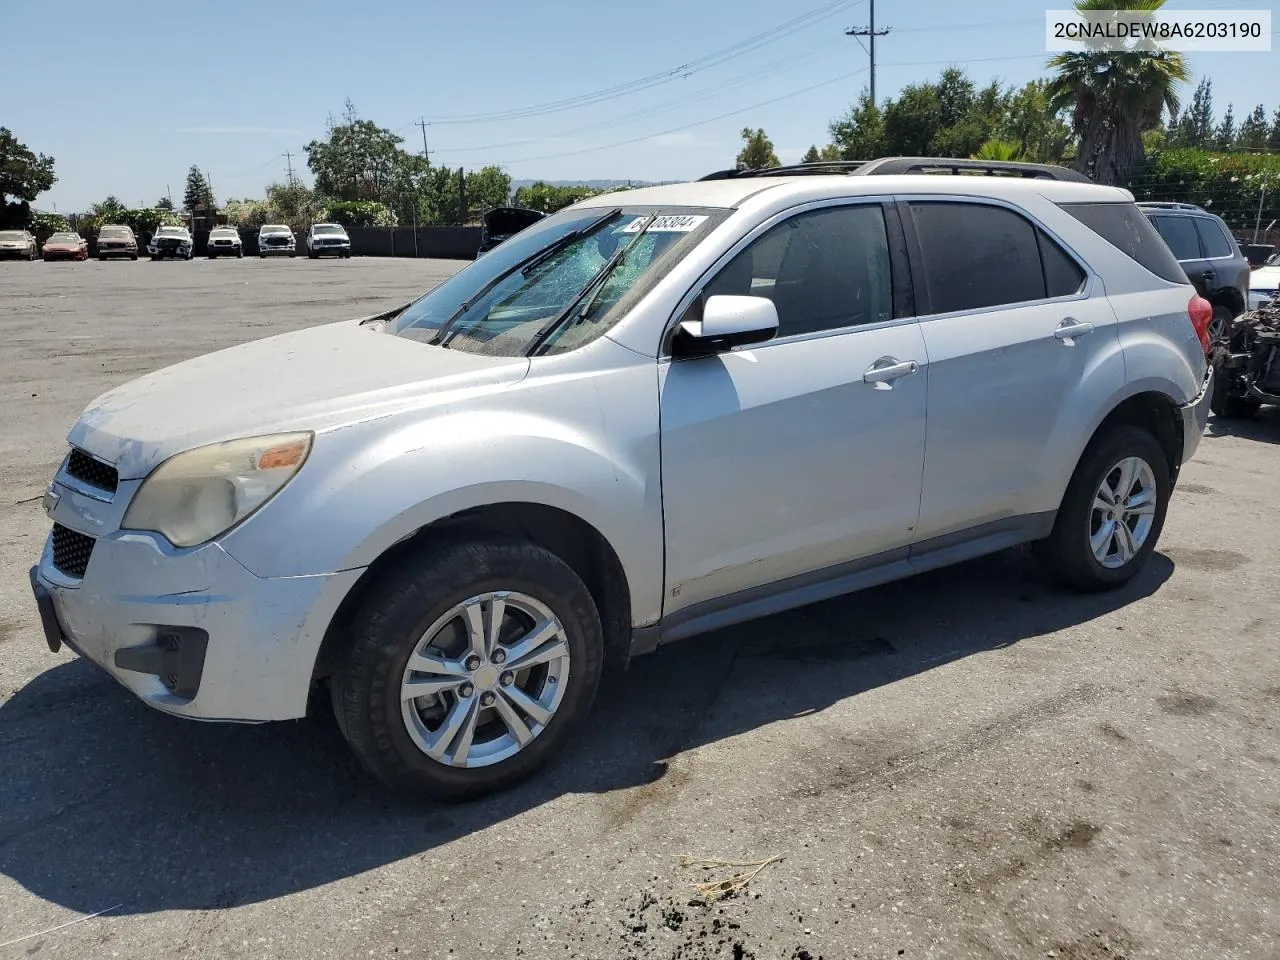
(682,71)
(760,73)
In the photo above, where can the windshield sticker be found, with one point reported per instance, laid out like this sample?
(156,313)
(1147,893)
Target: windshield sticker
(671,224)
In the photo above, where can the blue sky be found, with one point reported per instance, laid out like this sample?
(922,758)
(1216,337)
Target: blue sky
(150,88)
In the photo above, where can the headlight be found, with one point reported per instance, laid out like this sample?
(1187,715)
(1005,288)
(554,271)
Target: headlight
(197,495)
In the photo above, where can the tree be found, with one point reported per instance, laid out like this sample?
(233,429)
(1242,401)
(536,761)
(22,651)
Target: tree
(1273,138)
(1195,128)
(549,198)
(1253,131)
(1042,134)
(294,204)
(1114,96)
(357,159)
(811,155)
(1225,137)
(487,188)
(859,134)
(108,211)
(912,121)
(830,152)
(757,151)
(999,150)
(24,175)
(198,195)
(164,203)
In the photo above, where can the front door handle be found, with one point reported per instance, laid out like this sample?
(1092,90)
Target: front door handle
(884,371)
(1070,328)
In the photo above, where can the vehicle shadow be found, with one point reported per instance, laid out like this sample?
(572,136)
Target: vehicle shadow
(1264,426)
(103,800)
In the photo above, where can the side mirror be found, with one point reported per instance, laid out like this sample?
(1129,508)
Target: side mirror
(727,322)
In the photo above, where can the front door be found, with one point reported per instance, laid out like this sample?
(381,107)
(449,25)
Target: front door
(799,454)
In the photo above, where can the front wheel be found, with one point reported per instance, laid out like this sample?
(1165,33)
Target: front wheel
(1112,514)
(468,668)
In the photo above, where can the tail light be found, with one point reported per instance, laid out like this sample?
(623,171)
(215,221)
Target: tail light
(1201,312)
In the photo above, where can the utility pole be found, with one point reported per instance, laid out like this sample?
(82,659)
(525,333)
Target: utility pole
(288,159)
(870,32)
(423,124)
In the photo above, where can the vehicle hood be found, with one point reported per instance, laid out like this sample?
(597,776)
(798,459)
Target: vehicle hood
(1264,278)
(62,245)
(13,243)
(316,379)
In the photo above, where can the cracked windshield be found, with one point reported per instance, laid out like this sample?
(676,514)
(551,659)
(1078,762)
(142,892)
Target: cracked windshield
(558,285)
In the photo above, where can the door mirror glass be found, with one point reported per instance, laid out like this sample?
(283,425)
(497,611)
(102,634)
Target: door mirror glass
(727,321)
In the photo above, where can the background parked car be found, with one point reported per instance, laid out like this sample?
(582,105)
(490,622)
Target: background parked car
(171,242)
(502,223)
(117,241)
(1209,255)
(1264,283)
(328,238)
(275,239)
(18,245)
(66,246)
(224,242)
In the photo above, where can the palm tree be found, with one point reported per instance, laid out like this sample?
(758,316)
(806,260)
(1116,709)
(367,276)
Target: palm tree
(999,150)
(1114,96)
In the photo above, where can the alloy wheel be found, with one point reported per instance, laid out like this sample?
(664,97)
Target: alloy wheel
(1124,509)
(485,679)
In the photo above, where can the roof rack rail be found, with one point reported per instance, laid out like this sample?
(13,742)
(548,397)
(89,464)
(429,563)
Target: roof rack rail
(890,166)
(1169,205)
(817,167)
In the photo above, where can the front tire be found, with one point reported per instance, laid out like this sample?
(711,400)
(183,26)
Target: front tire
(1112,513)
(504,643)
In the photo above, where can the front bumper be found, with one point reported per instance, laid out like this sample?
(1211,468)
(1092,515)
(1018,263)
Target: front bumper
(233,646)
(10,253)
(276,251)
(64,254)
(117,251)
(1195,416)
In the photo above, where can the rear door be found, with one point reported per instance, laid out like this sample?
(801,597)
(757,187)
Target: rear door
(1179,232)
(1015,330)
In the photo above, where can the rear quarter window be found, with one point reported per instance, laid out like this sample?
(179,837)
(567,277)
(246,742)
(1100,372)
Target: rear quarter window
(1213,239)
(1127,229)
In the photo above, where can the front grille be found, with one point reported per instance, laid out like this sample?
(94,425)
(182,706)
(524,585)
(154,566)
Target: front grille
(277,241)
(93,472)
(71,551)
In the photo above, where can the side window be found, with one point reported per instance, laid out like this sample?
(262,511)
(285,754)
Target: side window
(1062,275)
(1180,234)
(976,255)
(1213,241)
(823,270)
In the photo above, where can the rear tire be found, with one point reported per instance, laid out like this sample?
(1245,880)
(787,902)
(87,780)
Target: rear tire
(1229,407)
(1069,551)
(1220,323)
(418,602)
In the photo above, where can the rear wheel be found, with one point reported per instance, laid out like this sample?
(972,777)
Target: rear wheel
(1219,323)
(468,668)
(1224,404)
(1112,514)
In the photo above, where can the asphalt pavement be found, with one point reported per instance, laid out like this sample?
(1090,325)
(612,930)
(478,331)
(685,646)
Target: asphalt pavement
(973,763)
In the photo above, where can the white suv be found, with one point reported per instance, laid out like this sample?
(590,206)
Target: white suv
(651,415)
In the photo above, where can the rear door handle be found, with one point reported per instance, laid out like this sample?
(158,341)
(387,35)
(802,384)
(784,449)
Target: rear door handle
(1070,328)
(884,371)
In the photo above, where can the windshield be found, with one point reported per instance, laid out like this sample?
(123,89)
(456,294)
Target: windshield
(12,235)
(223,232)
(269,228)
(327,228)
(114,232)
(65,238)
(171,232)
(516,315)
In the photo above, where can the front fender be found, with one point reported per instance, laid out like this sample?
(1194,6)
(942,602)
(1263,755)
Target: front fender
(365,488)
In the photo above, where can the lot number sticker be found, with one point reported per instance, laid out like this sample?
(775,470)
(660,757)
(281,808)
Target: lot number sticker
(671,224)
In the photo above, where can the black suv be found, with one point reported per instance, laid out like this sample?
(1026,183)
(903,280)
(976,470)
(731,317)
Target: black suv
(1211,258)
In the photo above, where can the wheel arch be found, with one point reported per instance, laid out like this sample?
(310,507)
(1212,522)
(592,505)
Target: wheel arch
(1151,408)
(571,538)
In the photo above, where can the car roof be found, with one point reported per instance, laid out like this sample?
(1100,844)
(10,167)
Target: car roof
(734,192)
(338,225)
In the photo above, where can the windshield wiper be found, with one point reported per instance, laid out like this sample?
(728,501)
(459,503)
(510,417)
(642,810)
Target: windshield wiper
(523,266)
(584,298)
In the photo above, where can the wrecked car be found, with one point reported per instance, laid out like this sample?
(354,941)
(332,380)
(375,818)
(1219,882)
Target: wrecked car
(1246,361)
